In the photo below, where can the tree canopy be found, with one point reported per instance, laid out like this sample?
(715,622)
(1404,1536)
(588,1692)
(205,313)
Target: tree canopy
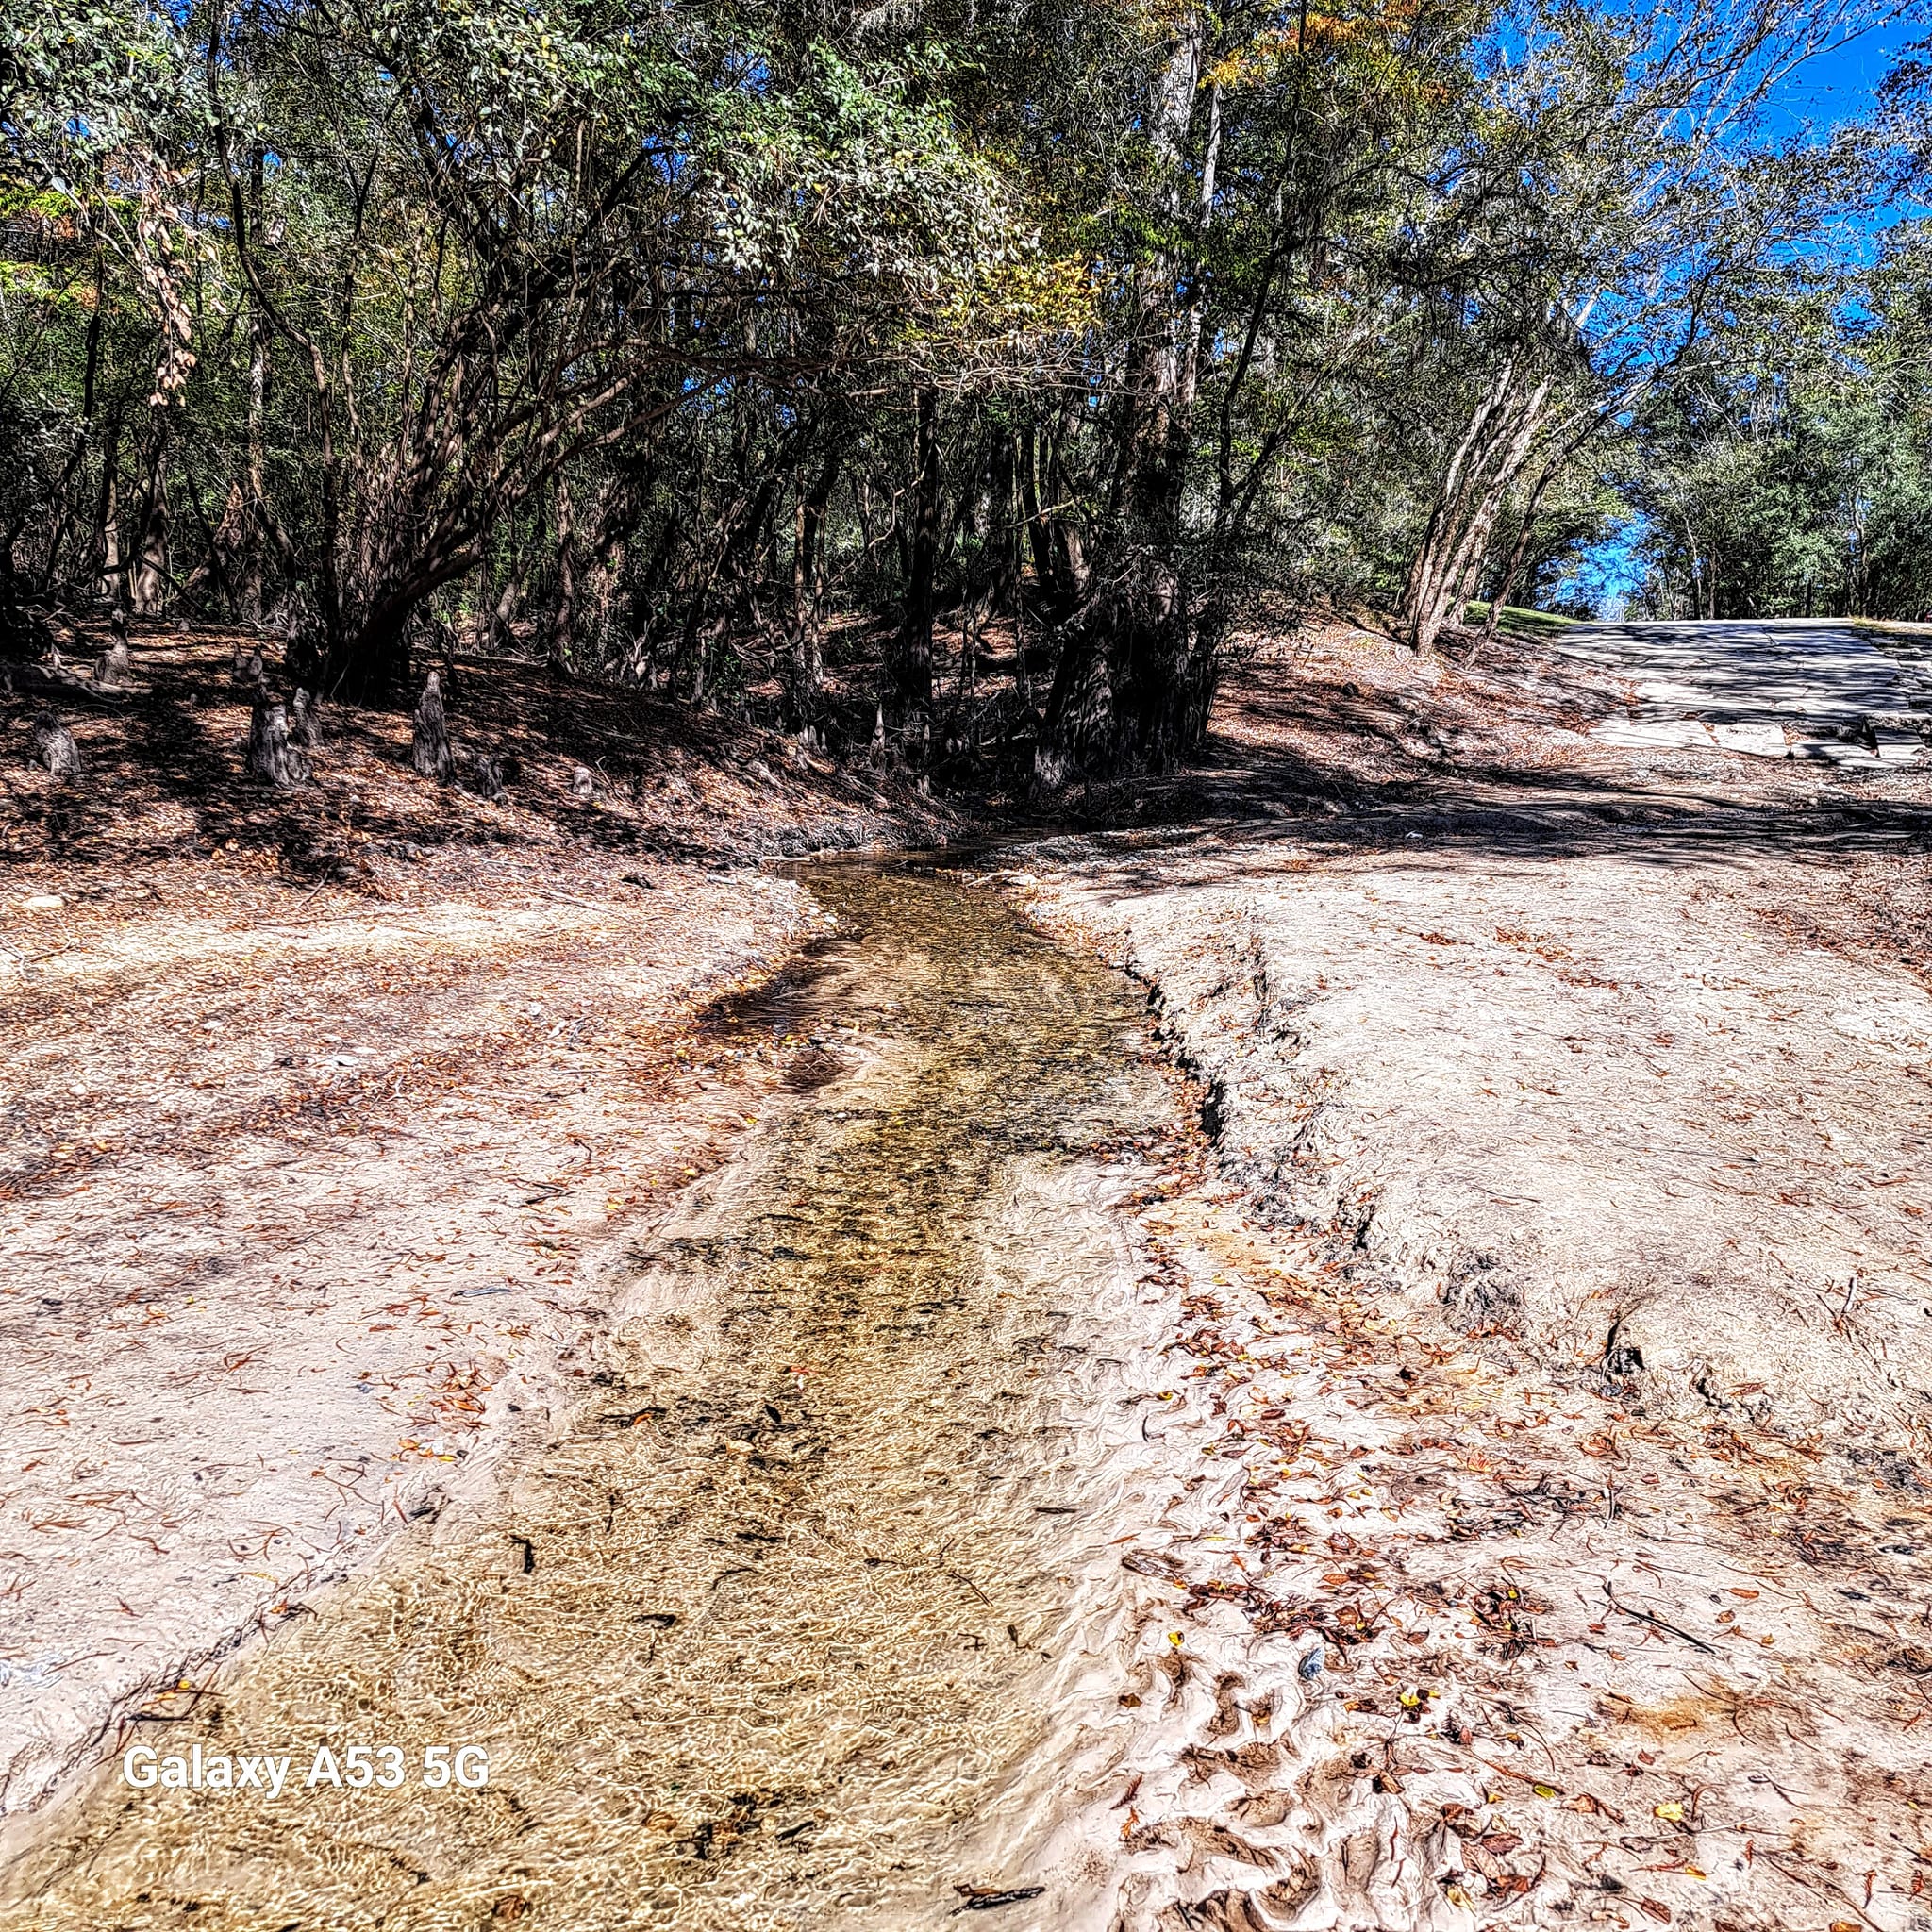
(654,339)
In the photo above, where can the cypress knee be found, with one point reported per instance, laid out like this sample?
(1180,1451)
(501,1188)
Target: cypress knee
(271,756)
(304,727)
(487,775)
(54,746)
(429,749)
(115,667)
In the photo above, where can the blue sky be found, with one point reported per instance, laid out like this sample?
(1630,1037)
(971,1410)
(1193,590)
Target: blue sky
(1842,86)
(1825,93)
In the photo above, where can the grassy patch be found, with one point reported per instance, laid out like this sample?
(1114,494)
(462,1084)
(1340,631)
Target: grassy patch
(1517,619)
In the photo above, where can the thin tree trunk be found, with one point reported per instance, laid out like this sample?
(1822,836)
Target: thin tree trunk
(1003,517)
(247,570)
(1038,534)
(563,618)
(147,591)
(1518,553)
(1485,464)
(112,581)
(913,662)
(809,523)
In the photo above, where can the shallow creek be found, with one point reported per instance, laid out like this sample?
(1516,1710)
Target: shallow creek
(814,1615)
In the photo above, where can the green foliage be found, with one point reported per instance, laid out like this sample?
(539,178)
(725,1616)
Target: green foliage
(610,329)
(1792,475)
(82,81)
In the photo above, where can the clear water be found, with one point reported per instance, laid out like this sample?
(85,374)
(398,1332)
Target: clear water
(803,1621)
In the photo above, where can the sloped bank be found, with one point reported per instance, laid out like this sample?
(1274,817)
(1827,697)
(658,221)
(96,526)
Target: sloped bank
(1587,1104)
(1498,1357)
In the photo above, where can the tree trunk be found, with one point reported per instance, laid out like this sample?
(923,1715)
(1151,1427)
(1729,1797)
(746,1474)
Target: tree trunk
(497,633)
(808,523)
(912,660)
(1485,463)
(113,581)
(1038,536)
(1003,515)
(227,561)
(1136,680)
(563,618)
(1512,570)
(245,568)
(147,593)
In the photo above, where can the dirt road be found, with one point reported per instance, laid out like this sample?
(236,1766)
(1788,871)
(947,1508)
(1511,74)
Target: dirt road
(1589,1087)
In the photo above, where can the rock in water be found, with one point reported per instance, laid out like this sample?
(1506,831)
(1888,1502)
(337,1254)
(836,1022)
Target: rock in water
(582,784)
(271,756)
(305,726)
(429,749)
(55,747)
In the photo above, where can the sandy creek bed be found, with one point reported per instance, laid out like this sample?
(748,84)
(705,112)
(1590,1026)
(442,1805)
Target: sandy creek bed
(981,1512)
(810,1613)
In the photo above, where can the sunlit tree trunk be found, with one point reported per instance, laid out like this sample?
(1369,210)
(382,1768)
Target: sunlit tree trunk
(808,537)
(1485,464)
(147,588)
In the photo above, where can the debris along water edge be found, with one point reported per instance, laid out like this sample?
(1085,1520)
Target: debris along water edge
(1584,1648)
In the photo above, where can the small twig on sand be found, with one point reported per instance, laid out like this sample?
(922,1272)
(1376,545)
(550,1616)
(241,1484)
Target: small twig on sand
(310,894)
(960,1576)
(1644,1617)
(1810,1884)
(572,899)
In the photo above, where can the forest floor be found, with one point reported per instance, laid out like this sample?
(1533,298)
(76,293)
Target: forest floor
(1563,1313)
(313,1099)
